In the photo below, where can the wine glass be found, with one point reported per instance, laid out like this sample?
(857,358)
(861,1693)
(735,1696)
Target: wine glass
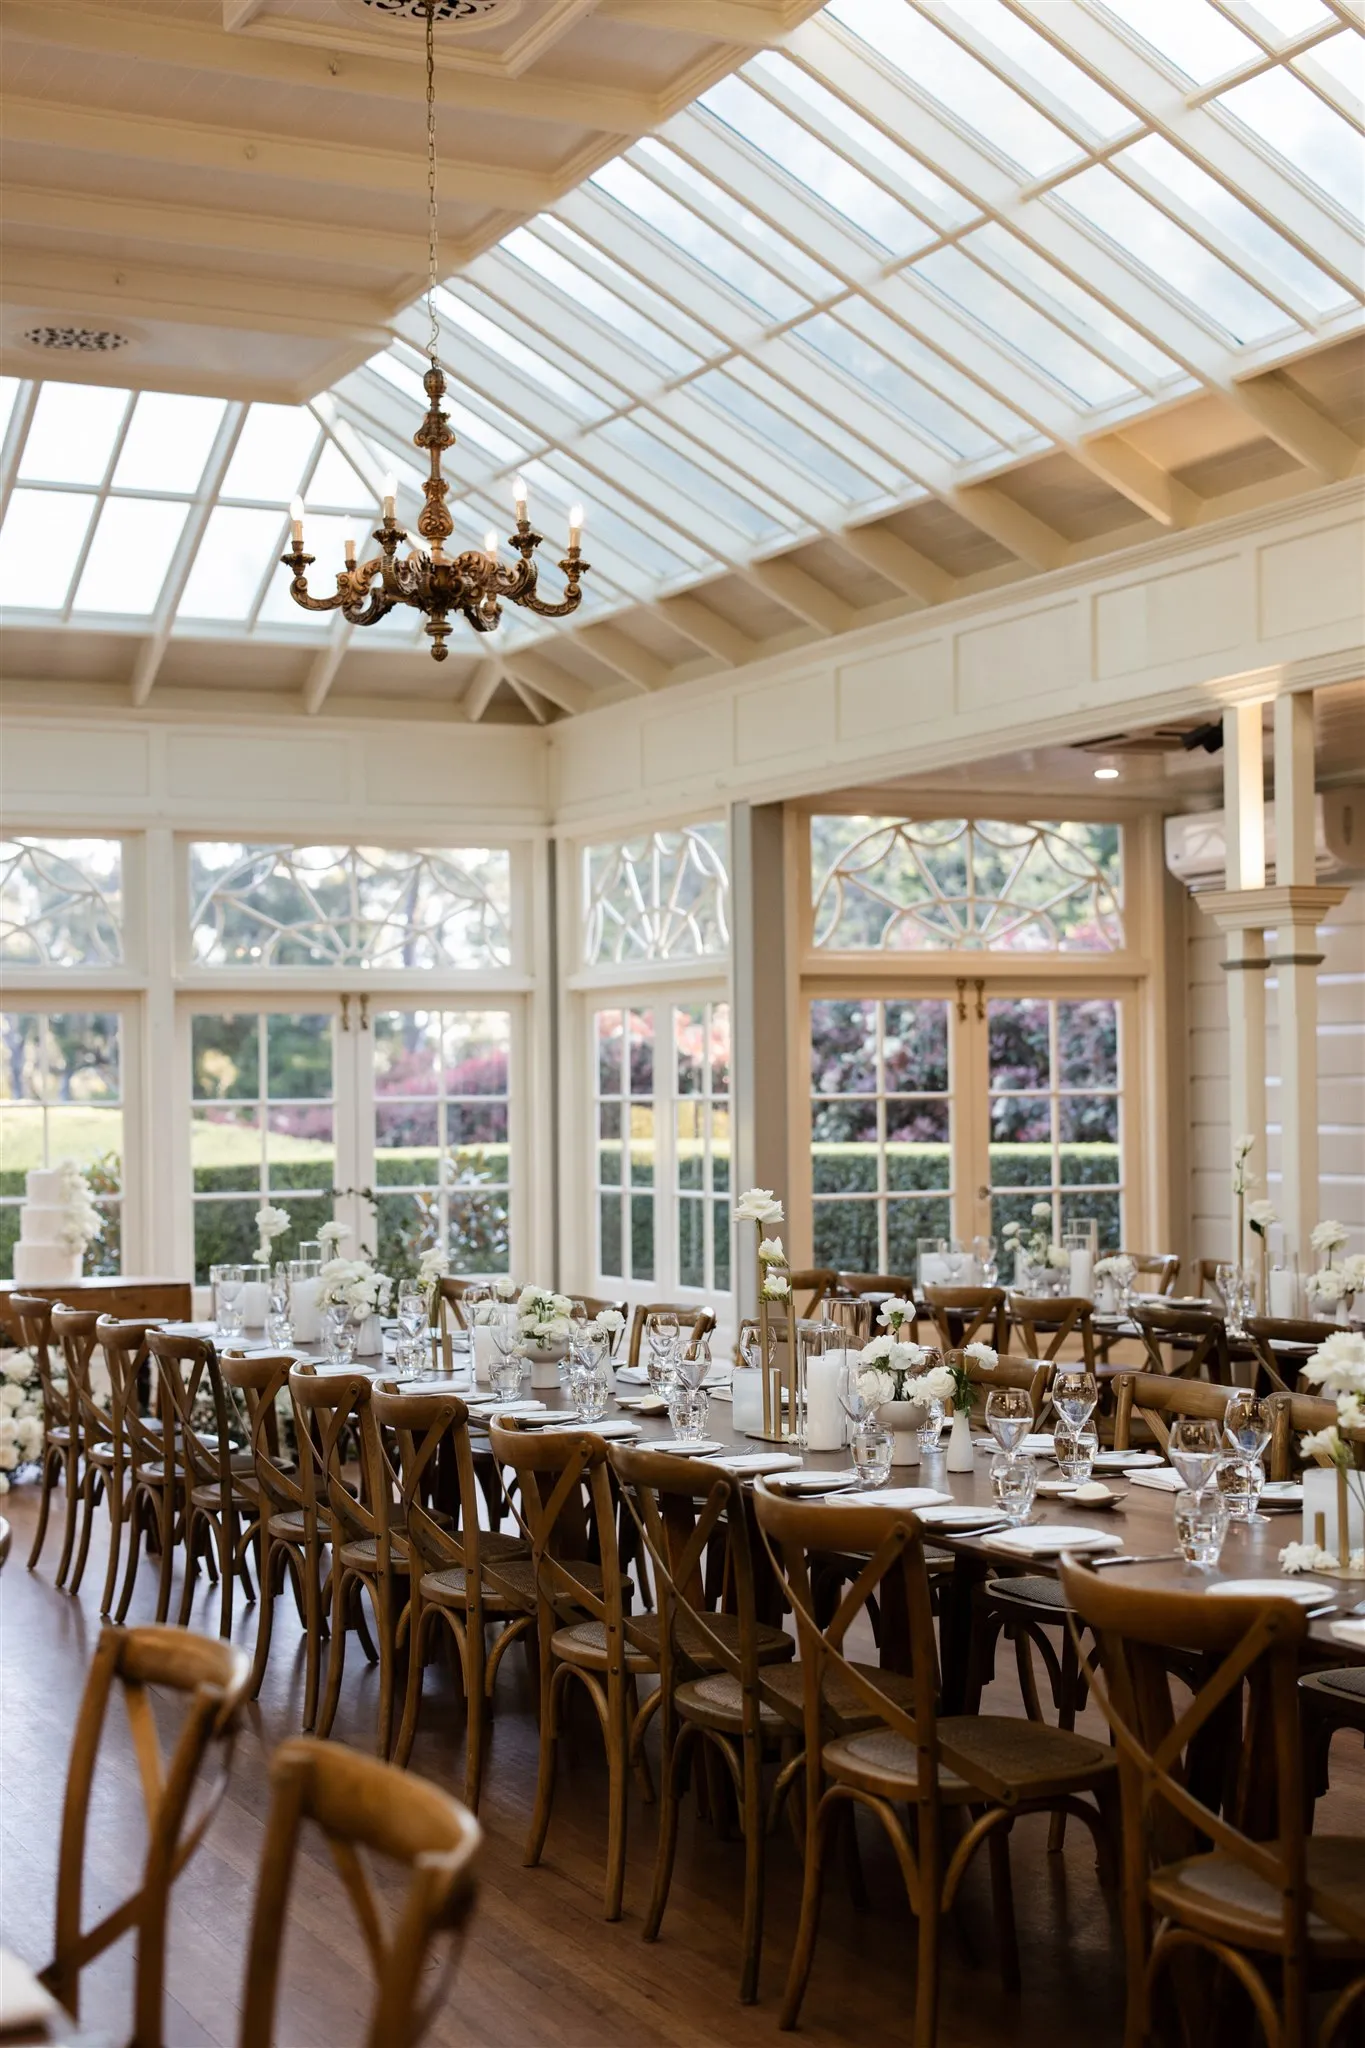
(1230,1281)
(987,1263)
(1195,1448)
(1075,1396)
(341,1332)
(954,1259)
(1009,1417)
(412,1310)
(229,1286)
(1247,1425)
(502,1328)
(664,1333)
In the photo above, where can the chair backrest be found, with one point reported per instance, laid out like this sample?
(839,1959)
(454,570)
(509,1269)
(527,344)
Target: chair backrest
(260,1380)
(964,1314)
(679,1514)
(1159,1398)
(124,1344)
(328,1408)
(1166,1816)
(1282,1371)
(192,1392)
(703,1321)
(1162,1267)
(1206,1270)
(212,1677)
(33,1316)
(555,1470)
(421,1425)
(1198,1337)
(1055,1319)
(75,1330)
(1033,1375)
(363,1806)
(815,1282)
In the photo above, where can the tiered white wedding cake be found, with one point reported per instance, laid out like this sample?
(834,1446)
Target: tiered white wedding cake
(44,1255)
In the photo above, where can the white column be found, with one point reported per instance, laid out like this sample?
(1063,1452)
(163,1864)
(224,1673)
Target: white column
(1296,966)
(167,1222)
(758,1022)
(1244,963)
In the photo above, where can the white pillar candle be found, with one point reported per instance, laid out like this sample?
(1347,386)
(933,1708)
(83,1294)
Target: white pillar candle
(746,1399)
(1082,1273)
(1284,1291)
(255,1304)
(485,1351)
(303,1310)
(824,1415)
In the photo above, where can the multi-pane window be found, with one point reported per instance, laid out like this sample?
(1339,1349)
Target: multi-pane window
(909,885)
(263,1127)
(662,896)
(442,1171)
(382,907)
(1055,1113)
(61,1097)
(701,1047)
(881,1131)
(662,1112)
(61,902)
(624,1042)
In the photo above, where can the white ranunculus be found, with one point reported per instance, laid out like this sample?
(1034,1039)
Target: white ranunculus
(1260,1215)
(9,1457)
(330,1235)
(29,1434)
(983,1355)
(937,1384)
(876,1386)
(759,1205)
(1325,1284)
(1041,1212)
(17,1366)
(11,1399)
(894,1311)
(878,1351)
(608,1321)
(1058,1256)
(1353,1273)
(9,1430)
(1327,1235)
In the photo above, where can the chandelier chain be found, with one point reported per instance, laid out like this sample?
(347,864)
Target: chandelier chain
(434,340)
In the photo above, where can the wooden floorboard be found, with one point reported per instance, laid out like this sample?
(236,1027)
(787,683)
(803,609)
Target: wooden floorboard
(541,1968)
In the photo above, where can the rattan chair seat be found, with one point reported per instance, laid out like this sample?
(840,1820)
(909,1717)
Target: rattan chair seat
(362,1554)
(774,1646)
(717,1701)
(1030,1591)
(211,1496)
(290,1524)
(1231,1903)
(450,1588)
(1034,1760)
(584,1644)
(1350,1681)
(845,1705)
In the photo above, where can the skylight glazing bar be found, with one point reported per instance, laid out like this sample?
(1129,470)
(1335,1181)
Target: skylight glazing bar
(101,499)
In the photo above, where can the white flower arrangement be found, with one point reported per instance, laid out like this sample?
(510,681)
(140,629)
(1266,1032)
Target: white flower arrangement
(886,1368)
(1338,1365)
(430,1268)
(81,1223)
(1036,1245)
(271,1223)
(1326,1284)
(543,1317)
(331,1235)
(21,1414)
(1118,1267)
(1328,1236)
(758,1205)
(1337,1368)
(354,1284)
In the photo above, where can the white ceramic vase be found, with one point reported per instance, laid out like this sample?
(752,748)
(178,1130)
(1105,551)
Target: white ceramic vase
(903,1419)
(544,1361)
(961,1456)
(369,1338)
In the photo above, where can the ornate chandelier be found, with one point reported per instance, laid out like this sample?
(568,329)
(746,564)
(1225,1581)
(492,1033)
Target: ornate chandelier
(433,582)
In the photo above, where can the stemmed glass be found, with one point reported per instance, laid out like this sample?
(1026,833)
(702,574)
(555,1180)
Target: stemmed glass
(502,1328)
(1230,1281)
(954,1260)
(341,1332)
(1195,1449)
(1075,1397)
(1246,1426)
(229,1285)
(279,1326)
(987,1264)
(1009,1417)
(664,1334)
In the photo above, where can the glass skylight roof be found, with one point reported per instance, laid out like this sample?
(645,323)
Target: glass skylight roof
(919,241)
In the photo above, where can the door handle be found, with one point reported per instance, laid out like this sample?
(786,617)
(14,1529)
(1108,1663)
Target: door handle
(345,1013)
(983,1194)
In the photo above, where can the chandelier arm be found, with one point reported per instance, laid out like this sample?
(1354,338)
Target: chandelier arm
(298,588)
(572,569)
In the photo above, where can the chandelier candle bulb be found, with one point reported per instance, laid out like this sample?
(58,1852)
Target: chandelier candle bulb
(490,544)
(519,499)
(349,545)
(296,522)
(390,496)
(575,527)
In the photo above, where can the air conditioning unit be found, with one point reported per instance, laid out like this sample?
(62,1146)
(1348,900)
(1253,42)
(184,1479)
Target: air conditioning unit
(1196,843)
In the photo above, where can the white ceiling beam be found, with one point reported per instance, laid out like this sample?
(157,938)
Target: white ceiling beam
(695,618)
(1295,425)
(801,594)
(751,24)
(328,659)
(100,30)
(237,13)
(548,680)
(1134,474)
(482,688)
(640,668)
(524,691)
(897,561)
(150,655)
(1005,520)
(201,297)
(340,167)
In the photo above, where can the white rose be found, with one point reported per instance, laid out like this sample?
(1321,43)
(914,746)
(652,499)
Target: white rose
(9,1457)
(770,1252)
(876,1386)
(30,1434)
(983,1355)
(935,1385)
(759,1205)
(609,1321)
(18,1366)
(1325,1285)
(11,1398)
(1041,1212)
(1327,1235)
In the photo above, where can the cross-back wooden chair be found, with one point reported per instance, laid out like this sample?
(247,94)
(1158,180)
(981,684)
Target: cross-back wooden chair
(288,1539)
(362,1807)
(1047,1324)
(1158,1399)
(991,1768)
(93,1419)
(369,1550)
(815,1282)
(711,1662)
(1265,1332)
(580,1618)
(448,1309)
(450,1561)
(1033,1375)
(60,1455)
(151,1502)
(123,1346)
(703,1321)
(211,1678)
(1198,1341)
(214,1485)
(968,1315)
(898,1284)
(1160,1269)
(1282,1911)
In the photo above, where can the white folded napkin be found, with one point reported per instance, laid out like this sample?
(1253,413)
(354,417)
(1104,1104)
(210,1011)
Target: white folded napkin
(1352,1632)
(753,1462)
(633,1375)
(1163,1480)
(911,1497)
(486,1408)
(23,2001)
(614,1430)
(1043,1541)
(677,1448)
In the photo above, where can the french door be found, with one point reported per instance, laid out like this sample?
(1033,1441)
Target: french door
(955,1109)
(369,1110)
(68,1090)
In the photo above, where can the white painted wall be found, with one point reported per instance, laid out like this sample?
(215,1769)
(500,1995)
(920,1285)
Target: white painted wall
(1341,1078)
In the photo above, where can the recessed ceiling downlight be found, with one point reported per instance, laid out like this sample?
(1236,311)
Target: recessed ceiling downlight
(78,341)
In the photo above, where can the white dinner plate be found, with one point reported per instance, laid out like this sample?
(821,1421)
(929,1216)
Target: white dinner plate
(481,1410)
(915,1498)
(1308,1592)
(749,1464)
(1127,1461)
(615,1430)
(960,1521)
(818,1482)
(1050,1540)
(676,1447)
(1282,1493)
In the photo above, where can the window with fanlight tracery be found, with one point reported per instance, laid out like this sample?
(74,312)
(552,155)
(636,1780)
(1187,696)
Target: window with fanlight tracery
(661,896)
(61,902)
